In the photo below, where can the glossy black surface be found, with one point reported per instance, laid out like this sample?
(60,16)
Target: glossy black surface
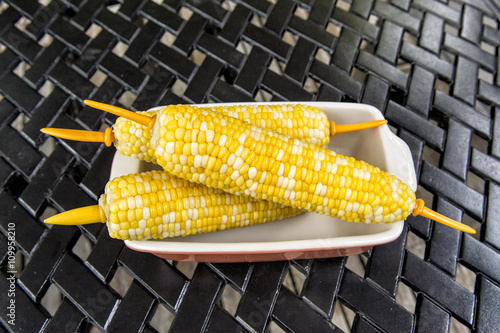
(430,66)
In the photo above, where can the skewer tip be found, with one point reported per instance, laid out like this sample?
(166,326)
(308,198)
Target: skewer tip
(337,129)
(421,210)
(138,118)
(83,215)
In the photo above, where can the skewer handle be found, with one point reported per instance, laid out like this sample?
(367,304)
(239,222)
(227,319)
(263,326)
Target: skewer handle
(105,137)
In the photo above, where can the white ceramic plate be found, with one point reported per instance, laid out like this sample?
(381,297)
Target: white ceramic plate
(308,235)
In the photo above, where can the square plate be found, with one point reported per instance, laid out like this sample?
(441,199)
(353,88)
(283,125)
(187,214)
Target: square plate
(308,235)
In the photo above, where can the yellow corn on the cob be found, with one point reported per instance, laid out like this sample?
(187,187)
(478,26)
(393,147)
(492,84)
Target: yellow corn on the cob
(297,121)
(207,147)
(155,204)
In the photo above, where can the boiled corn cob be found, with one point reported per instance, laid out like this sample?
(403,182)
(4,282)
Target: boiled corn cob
(207,147)
(223,152)
(297,121)
(154,204)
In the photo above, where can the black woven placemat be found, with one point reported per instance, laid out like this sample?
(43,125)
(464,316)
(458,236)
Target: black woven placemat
(431,67)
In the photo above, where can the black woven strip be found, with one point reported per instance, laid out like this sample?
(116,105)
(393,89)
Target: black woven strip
(430,66)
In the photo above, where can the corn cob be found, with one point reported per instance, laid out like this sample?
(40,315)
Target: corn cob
(206,147)
(297,121)
(154,204)
(244,159)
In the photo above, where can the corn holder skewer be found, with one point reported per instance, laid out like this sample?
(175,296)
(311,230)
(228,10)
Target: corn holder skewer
(107,137)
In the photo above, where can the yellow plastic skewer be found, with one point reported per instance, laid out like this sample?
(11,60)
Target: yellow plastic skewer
(105,137)
(84,215)
(108,138)
(421,210)
(337,129)
(138,118)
